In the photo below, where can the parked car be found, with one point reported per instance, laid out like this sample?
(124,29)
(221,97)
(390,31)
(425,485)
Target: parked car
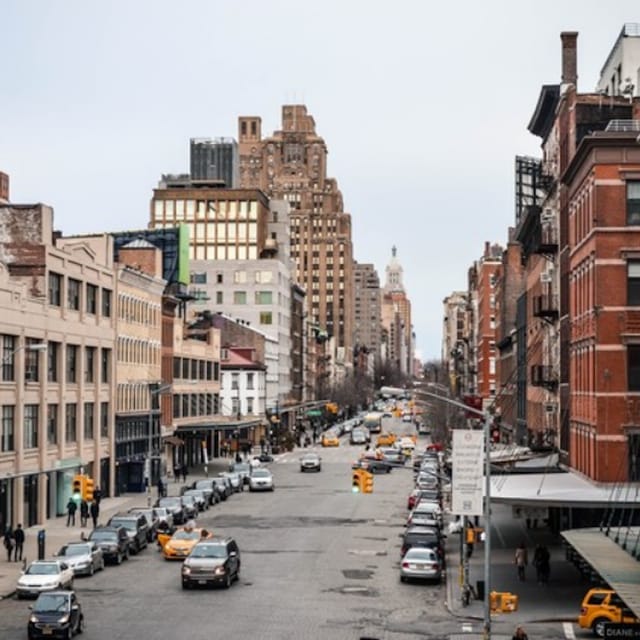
(243,469)
(224,487)
(179,545)
(600,606)
(175,506)
(430,537)
(420,564)
(261,480)
(190,506)
(310,462)
(152,520)
(44,575)
(237,482)
(426,512)
(85,558)
(113,541)
(210,491)
(199,497)
(214,561)
(55,614)
(136,526)
(371,462)
(359,435)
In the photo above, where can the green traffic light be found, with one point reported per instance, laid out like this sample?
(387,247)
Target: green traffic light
(355,489)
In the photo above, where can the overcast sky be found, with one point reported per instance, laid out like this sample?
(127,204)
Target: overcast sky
(423,107)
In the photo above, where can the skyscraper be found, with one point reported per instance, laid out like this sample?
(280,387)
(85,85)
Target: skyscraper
(215,159)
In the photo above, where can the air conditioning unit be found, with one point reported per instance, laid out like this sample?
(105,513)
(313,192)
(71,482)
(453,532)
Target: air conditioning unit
(550,407)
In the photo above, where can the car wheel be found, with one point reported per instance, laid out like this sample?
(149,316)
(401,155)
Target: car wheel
(598,626)
(403,579)
(185,584)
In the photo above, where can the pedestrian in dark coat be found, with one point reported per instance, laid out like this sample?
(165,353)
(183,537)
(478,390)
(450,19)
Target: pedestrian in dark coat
(18,537)
(176,472)
(8,542)
(95,512)
(541,561)
(97,495)
(185,472)
(84,513)
(72,507)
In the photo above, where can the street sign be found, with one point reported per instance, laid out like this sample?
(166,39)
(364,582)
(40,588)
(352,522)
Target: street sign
(467,461)
(621,630)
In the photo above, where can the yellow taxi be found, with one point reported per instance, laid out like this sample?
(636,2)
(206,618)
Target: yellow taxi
(600,606)
(179,545)
(330,440)
(386,440)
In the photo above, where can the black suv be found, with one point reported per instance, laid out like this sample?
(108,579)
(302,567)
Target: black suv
(55,614)
(136,526)
(114,542)
(212,561)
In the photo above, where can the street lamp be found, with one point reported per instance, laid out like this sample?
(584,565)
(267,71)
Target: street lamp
(34,346)
(487,502)
(160,389)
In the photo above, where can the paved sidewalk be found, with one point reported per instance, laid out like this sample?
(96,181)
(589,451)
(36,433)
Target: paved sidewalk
(57,533)
(562,595)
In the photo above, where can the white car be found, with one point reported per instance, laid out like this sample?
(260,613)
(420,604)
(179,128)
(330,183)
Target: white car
(261,479)
(44,575)
(85,558)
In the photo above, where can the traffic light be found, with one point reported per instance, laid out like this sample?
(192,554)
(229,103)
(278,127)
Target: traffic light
(87,492)
(367,482)
(77,488)
(475,534)
(356,481)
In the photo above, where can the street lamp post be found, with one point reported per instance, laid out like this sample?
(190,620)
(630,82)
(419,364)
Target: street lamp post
(35,346)
(162,388)
(487,502)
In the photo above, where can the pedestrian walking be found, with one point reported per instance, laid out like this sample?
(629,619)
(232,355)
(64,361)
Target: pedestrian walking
(160,488)
(97,495)
(72,507)
(542,563)
(521,560)
(18,538)
(176,472)
(94,509)
(185,472)
(84,512)
(8,542)
(519,634)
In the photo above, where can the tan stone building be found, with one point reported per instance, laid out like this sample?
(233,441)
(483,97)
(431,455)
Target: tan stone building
(56,406)
(291,165)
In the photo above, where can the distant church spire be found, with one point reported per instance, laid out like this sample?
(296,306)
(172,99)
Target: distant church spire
(393,251)
(394,273)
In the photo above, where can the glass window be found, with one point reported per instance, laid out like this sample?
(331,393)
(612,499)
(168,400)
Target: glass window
(88,420)
(219,297)
(70,426)
(239,297)
(266,317)
(55,289)
(633,367)
(92,299)
(250,406)
(250,381)
(104,419)
(240,277)
(72,363)
(31,426)
(73,294)
(106,303)
(90,363)
(264,277)
(31,362)
(264,297)
(105,365)
(158,209)
(52,424)
(177,368)
(8,357)
(633,282)
(234,381)
(8,428)
(633,202)
(199,278)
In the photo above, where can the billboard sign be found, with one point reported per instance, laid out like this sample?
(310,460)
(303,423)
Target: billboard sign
(467,472)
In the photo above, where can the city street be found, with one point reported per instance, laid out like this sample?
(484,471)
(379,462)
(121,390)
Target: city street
(317,562)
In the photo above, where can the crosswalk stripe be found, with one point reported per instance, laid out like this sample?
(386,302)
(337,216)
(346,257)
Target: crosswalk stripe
(569,633)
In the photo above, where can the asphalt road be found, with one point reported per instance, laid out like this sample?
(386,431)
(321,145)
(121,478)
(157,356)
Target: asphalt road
(317,562)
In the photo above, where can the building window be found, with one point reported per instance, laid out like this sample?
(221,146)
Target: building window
(70,426)
(31,362)
(234,381)
(92,299)
(235,406)
(52,424)
(633,367)
(106,303)
(8,427)
(250,406)
(8,358)
(55,289)
(264,297)
(633,202)
(88,420)
(266,317)
(31,426)
(240,277)
(72,363)
(633,282)
(219,297)
(250,381)
(239,297)
(199,278)
(105,364)
(53,355)
(216,372)
(177,368)
(90,363)
(104,419)
(73,294)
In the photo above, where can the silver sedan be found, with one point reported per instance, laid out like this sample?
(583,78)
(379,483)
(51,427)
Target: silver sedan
(310,462)
(84,558)
(420,564)
(261,480)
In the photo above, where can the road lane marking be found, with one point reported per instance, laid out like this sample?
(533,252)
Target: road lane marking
(466,627)
(569,633)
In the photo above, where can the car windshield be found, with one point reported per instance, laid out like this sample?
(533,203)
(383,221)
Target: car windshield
(188,499)
(261,473)
(203,484)
(74,550)
(42,569)
(310,457)
(128,523)
(186,535)
(50,602)
(160,512)
(241,467)
(169,502)
(103,535)
(209,551)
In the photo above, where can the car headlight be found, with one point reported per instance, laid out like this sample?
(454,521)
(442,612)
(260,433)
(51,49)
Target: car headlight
(33,619)
(219,571)
(186,570)
(64,619)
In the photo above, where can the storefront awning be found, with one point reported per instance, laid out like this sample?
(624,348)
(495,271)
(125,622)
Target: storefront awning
(230,425)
